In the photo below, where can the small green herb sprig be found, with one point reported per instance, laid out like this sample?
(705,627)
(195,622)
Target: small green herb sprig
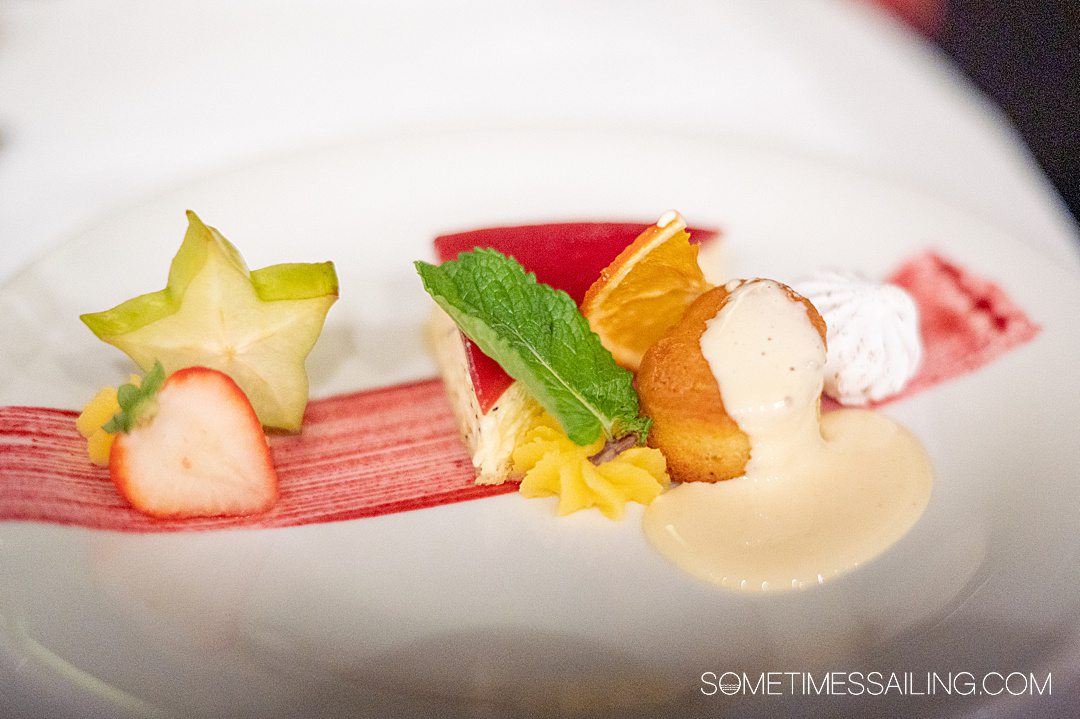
(137,402)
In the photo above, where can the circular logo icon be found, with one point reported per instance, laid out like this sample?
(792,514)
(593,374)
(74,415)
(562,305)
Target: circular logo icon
(729,683)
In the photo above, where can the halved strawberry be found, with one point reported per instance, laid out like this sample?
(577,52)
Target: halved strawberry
(193,448)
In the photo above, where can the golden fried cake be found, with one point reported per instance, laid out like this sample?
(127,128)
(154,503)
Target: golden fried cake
(678,391)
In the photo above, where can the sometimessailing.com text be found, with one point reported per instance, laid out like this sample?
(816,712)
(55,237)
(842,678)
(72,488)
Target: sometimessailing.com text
(875,683)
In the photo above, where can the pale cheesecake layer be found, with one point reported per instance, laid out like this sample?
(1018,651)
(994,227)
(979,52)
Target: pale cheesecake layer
(492,435)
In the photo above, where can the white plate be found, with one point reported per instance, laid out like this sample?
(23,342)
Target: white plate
(495,606)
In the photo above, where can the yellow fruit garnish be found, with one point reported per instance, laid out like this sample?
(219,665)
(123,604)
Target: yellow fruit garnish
(99,446)
(645,290)
(555,466)
(95,414)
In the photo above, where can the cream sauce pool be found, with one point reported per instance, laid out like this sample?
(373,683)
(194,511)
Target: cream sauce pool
(818,498)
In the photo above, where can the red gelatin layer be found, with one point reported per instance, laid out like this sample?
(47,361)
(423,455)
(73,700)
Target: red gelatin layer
(567,255)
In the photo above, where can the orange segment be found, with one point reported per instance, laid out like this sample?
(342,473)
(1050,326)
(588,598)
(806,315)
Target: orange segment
(645,290)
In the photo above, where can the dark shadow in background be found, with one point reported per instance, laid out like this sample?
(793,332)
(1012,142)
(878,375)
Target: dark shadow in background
(1025,54)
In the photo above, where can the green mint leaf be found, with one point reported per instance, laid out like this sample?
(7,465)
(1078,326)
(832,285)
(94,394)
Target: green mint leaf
(538,335)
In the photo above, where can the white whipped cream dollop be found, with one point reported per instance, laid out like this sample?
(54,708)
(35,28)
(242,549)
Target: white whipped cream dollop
(874,347)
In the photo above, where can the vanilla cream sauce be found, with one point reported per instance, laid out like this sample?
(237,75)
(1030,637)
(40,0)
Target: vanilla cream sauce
(818,499)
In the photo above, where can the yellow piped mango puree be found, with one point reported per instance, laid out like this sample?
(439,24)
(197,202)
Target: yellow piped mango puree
(553,465)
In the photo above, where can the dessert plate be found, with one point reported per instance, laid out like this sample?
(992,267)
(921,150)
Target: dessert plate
(496,606)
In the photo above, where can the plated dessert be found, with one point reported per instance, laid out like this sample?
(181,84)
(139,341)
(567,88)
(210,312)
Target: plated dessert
(592,363)
(379,447)
(656,378)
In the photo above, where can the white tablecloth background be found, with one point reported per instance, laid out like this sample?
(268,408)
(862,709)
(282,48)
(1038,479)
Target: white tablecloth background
(104,101)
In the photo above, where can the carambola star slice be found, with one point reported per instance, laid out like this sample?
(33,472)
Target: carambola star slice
(255,326)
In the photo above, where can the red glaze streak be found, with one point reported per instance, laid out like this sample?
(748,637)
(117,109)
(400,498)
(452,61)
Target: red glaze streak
(359,455)
(965,321)
(396,449)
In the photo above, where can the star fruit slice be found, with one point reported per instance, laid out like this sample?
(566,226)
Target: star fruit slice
(255,326)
